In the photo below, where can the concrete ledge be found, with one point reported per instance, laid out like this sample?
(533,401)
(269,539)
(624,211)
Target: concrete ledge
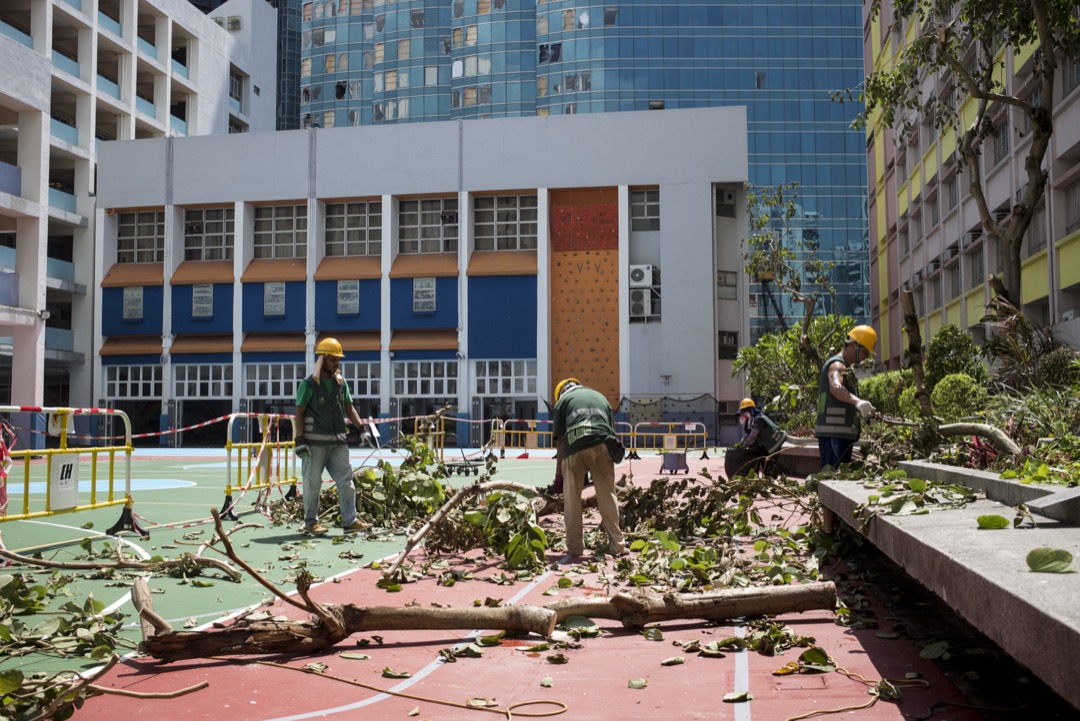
(1052,501)
(983,576)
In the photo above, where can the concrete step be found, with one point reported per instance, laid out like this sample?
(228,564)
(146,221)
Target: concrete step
(983,576)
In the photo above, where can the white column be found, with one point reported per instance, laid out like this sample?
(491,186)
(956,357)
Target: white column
(543,298)
(389,252)
(624,295)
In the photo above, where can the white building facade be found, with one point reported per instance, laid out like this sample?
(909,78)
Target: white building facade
(469,263)
(75,74)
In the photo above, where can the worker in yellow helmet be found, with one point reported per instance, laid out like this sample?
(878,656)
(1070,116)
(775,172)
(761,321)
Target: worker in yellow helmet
(583,426)
(762,438)
(748,410)
(840,410)
(323,401)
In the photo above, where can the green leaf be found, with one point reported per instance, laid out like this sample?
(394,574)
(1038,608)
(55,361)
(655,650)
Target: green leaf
(935,650)
(814,655)
(558,658)
(653,634)
(354,656)
(638,683)
(388,672)
(1049,560)
(10,681)
(494,640)
(992,521)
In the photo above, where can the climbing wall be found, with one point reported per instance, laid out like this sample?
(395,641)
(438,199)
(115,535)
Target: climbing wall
(585,288)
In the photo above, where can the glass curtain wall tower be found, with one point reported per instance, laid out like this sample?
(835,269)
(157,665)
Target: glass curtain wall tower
(370,62)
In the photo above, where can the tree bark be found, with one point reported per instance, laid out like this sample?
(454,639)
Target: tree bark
(633,610)
(911,327)
(996,436)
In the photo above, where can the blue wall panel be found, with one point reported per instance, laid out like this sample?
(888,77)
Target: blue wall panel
(219,322)
(502,316)
(112,312)
(326,315)
(401,305)
(255,321)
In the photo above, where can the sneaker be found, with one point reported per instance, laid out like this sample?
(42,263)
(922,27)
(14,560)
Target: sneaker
(356,526)
(315,529)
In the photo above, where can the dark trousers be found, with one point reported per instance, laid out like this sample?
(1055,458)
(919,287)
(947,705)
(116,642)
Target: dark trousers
(834,451)
(742,460)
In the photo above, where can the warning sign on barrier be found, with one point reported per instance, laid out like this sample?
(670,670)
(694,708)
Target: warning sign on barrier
(64,481)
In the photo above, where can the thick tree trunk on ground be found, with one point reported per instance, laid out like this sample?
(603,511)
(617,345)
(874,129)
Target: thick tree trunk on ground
(633,610)
(995,435)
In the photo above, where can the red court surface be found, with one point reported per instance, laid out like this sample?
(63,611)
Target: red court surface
(593,684)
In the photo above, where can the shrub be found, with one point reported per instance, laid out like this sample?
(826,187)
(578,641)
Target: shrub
(958,396)
(884,389)
(908,404)
(1055,369)
(953,350)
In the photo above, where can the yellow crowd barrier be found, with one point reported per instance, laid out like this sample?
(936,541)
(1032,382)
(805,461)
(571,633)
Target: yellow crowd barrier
(264,464)
(57,488)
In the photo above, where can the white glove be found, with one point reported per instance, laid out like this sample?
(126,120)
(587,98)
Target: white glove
(865,409)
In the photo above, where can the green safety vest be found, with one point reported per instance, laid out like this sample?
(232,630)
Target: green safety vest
(836,419)
(324,417)
(769,437)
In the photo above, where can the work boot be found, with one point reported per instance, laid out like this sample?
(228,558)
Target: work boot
(315,529)
(356,527)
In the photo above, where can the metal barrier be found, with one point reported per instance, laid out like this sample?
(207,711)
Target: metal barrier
(61,482)
(260,466)
(670,436)
(532,434)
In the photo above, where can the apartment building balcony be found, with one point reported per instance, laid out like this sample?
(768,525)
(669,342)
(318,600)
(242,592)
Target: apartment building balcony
(147,48)
(180,70)
(10,179)
(61,130)
(61,199)
(19,35)
(66,64)
(59,339)
(107,23)
(77,4)
(9,282)
(108,87)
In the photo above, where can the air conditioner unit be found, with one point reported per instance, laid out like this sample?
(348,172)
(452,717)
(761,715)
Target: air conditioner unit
(968,239)
(725,196)
(1000,215)
(753,300)
(641,276)
(918,277)
(641,303)
(1068,315)
(1020,193)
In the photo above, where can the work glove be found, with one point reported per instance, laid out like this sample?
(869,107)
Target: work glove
(865,408)
(301,449)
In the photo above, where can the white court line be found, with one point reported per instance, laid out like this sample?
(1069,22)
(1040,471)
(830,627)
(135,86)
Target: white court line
(742,677)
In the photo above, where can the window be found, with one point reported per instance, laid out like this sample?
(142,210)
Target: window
(1070,76)
(905,245)
(202,300)
(425,379)
(208,234)
(1001,142)
(133,303)
(506,377)
(952,192)
(1072,207)
(404,49)
(953,278)
(236,85)
(274,299)
(428,226)
(330,63)
(568,20)
(203,381)
(363,378)
(140,237)
(416,19)
(424,295)
(273,381)
(977,267)
(354,229)
(471,35)
(348,297)
(935,215)
(483,7)
(431,75)
(505,222)
(305,67)
(1034,100)
(1037,231)
(901,164)
(281,231)
(935,291)
(645,209)
(611,14)
(139,382)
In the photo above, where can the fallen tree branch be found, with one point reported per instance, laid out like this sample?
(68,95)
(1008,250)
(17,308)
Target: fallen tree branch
(456,500)
(94,688)
(995,435)
(633,610)
(123,564)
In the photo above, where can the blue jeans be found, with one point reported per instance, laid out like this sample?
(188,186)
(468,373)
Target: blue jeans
(334,459)
(834,451)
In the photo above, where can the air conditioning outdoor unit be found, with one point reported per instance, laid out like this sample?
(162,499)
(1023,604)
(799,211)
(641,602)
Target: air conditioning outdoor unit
(641,276)
(725,197)
(641,303)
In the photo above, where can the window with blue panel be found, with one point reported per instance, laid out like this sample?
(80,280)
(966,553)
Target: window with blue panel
(273,308)
(336,310)
(202,308)
(405,295)
(127,312)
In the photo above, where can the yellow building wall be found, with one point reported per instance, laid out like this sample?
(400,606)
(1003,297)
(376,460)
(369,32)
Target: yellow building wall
(975,302)
(935,325)
(948,142)
(930,164)
(1035,278)
(952,312)
(1025,52)
(901,199)
(1069,260)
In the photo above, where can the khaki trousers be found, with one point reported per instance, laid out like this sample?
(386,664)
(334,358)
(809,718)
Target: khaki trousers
(597,461)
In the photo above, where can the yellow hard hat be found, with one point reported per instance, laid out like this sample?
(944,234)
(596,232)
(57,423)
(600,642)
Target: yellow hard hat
(747,403)
(329,346)
(563,386)
(865,336)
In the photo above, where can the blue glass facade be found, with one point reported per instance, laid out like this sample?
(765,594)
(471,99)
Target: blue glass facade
(422,60)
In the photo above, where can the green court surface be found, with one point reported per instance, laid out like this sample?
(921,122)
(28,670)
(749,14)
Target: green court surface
(174,492)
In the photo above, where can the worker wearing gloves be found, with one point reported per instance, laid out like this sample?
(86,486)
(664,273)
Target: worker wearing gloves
(584,431)
(840,410)
(763,438)
(323,402)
